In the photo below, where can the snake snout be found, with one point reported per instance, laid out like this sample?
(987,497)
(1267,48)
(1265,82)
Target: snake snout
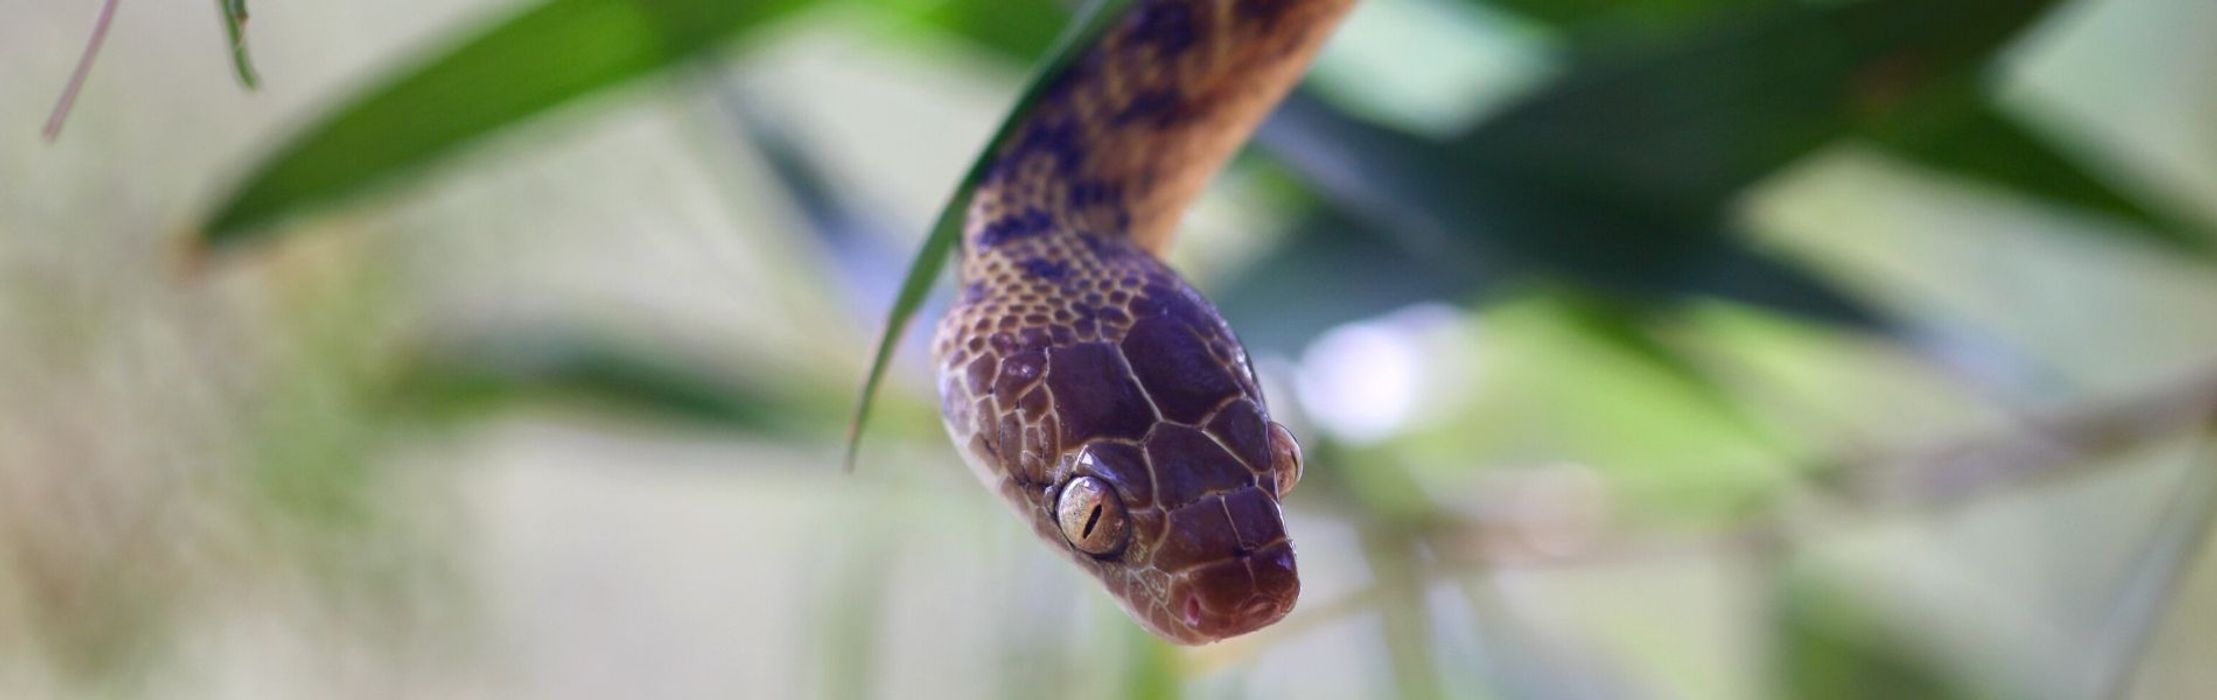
(1277,587)
(1241,595)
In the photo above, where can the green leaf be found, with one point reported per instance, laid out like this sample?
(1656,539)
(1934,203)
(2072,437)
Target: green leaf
(1624,173)
(1461,224)
(1022,30)
(234,27)
(1834,645)
(1278,307)
(946,231)
(1953,126)
(458,377)
(1962,132)
(1678,129)
(1621,16)
(547,55)
(848,232)
(1150,668)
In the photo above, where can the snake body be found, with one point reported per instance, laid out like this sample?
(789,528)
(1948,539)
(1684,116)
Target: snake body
(1082,378)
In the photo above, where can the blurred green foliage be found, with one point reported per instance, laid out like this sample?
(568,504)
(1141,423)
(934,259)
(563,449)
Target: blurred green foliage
(542,57)
(1832,645)
(1597,223)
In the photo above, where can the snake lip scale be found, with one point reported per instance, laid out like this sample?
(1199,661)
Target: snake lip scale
(1084,380)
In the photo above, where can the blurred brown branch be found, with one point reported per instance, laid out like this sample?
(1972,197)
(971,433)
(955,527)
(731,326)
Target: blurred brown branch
(2163,564)
(2047,446)
(1935,476)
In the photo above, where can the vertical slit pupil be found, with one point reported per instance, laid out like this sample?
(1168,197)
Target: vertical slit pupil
(1090,520)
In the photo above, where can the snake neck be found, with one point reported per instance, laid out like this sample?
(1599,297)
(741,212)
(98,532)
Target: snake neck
(1121,140)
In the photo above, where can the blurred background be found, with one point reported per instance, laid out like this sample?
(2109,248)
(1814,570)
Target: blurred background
(1641,349)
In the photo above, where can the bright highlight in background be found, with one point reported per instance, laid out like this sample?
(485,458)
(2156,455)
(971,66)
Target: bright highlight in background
(1363,381)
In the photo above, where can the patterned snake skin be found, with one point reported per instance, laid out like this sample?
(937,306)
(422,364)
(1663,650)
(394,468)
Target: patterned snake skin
(1081,377)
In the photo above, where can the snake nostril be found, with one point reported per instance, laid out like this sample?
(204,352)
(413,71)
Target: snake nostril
(1192,610)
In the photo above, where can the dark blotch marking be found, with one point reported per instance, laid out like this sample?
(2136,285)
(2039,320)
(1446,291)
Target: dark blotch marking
(1029,223)
(1176,368)
(1160,108)
(1077,73)
(1091,193)
(1045,269)
(1263,12)
(1166,25)
(1188,465)
(1098,244)
(1058,139)
(1095,396)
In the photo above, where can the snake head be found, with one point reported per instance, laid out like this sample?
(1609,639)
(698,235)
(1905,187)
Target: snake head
(1189,540)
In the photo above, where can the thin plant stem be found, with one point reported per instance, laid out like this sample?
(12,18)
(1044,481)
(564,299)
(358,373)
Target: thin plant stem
(84,68)
(2158,572)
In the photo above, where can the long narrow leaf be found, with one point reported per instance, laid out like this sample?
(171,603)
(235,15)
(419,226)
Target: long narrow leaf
(1623,174)
(547,55)
(1680,128)
(458,376)
(1953,125)
(1621,17)
(1472,222)
(234,27)
(1967,136)
(946,231)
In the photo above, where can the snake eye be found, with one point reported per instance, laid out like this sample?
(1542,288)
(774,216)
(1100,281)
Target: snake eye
(1285,458)
(1091,516)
